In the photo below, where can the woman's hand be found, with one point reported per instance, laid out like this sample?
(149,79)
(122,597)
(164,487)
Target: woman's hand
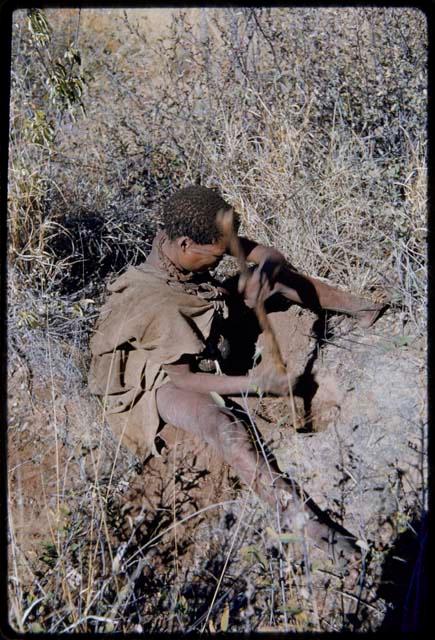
(258,285)
(271,381)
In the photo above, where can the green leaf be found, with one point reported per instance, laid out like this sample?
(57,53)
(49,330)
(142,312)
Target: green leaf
(396,342)
(403,341)
(285,538)
(292,610)
(256,552)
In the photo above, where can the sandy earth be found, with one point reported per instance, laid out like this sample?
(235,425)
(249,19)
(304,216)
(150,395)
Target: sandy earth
(357,449)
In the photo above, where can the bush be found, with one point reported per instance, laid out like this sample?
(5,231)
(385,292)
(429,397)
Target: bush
(313,128)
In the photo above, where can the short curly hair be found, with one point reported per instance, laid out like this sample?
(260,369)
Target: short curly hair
(192,212)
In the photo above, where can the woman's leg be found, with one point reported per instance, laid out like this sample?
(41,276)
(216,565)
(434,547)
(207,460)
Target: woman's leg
(197,414)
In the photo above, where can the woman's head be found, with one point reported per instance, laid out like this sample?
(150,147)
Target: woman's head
(192,212)
(189,217)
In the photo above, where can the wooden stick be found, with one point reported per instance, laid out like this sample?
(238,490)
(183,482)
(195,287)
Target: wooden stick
(226,224)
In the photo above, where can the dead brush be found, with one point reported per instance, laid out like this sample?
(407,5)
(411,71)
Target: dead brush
(34,126)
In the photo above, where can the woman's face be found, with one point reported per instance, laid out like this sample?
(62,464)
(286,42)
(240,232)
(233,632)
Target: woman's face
(201,257)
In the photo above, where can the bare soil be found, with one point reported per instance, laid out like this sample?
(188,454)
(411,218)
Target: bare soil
(355,440)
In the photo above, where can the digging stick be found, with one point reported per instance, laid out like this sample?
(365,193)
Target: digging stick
(225,222)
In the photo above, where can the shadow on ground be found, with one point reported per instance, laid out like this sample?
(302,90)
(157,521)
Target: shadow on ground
(404,582)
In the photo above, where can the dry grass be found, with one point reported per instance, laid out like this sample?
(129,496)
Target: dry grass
(313,126)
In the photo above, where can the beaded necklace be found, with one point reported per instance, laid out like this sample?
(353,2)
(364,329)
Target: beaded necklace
(174,272)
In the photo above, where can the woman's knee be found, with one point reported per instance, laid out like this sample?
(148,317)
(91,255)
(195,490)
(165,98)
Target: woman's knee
(199,415)
(217,428)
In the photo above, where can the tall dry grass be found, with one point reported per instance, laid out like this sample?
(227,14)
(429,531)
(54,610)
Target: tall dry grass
(312,124)
(307,129)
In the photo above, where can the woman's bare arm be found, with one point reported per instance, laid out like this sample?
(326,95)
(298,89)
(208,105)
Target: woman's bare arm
(276,274)
(260,282)
(183,378)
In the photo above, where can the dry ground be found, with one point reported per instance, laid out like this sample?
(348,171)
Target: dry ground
(358,449)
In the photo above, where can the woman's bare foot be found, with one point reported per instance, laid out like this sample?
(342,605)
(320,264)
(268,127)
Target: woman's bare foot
(367,317)
(339,548)
(338,545)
